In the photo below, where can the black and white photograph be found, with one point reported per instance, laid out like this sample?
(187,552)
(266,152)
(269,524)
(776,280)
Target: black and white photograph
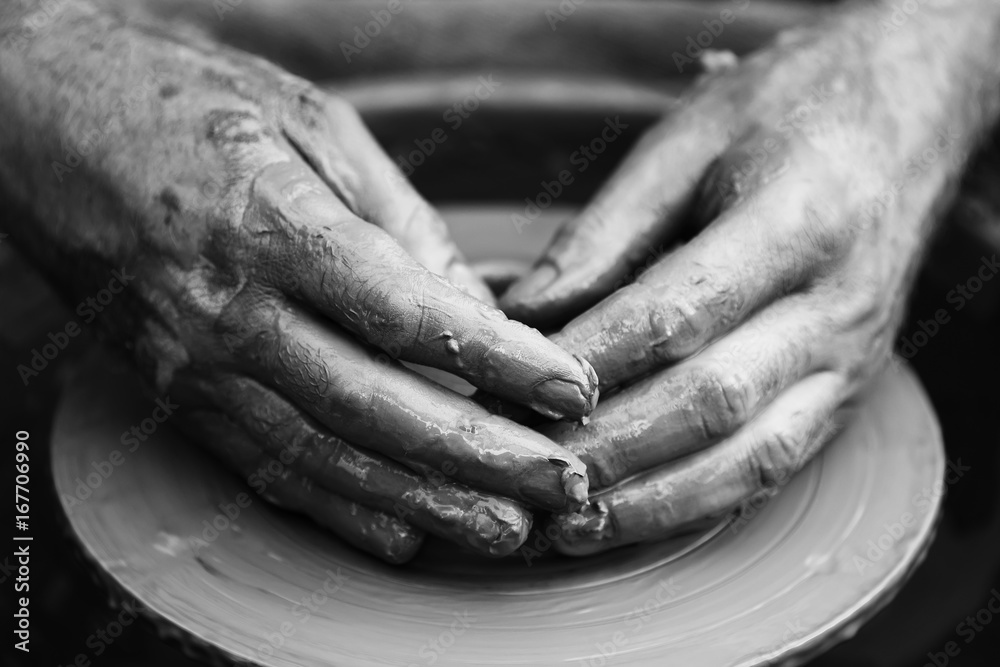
(500,333)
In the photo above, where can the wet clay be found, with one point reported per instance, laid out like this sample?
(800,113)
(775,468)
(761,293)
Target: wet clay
(794,575)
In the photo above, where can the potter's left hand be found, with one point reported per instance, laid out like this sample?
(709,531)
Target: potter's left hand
(818,165)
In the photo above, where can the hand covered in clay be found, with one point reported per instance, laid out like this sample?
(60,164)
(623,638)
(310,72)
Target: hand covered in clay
(815,169)
(278,270)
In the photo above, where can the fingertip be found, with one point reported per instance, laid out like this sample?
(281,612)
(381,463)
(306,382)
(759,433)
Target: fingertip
(577,486)
(542,489)
(556,486)
(399,545)
(589,530)
(556,398)
(574,480)
(593,381)
(500,274)
(529,292)
(567,398)
(539,373)
(547,302)
(513,530)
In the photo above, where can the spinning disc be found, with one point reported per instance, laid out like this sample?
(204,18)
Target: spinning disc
(274,589)
(271,588)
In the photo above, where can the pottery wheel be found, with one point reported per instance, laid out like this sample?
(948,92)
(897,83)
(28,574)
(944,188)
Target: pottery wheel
(804,569)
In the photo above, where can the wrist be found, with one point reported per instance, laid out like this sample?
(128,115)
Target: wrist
(935,62)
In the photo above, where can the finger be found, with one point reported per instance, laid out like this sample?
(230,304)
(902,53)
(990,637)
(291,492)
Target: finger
(387,537)
(489,524)
(500,274)
(330,135)
(355,274)
(365,397)
(372,531)
(638,209)
(751,255)
(760,458)
(701,400)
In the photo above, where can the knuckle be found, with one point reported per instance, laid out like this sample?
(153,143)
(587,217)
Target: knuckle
(302,371)
(721,404)
(824,231)
(236,323)
(611,465)
(308,104)
(605,470)
(730,180)
(863,303)
(337,107)
(773,460)
(309,96)
(673,330)
(869,353)
(228,128)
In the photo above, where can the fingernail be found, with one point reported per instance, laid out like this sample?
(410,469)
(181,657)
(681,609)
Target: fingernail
(490,525)
(399,545)
(587,530)
(557,398)
(574,482)
(577,486)
(544,488)
(527,289)
(513,529)
(593,383)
